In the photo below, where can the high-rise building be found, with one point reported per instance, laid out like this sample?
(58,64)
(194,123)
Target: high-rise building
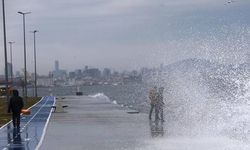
(106,73)
(72,75)
(93,72)
(56,65)
(57,73)
(78,73)
(86,68)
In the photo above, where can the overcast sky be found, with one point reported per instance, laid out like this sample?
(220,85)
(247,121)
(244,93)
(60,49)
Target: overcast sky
(126,34)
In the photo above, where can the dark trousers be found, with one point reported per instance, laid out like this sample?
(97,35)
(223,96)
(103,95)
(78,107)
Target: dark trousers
(161,112)
(16,119)
(153,107)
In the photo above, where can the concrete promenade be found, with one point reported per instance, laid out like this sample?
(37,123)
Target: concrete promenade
(95,124)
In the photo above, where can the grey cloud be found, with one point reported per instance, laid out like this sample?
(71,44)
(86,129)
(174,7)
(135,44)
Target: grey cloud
(123,33)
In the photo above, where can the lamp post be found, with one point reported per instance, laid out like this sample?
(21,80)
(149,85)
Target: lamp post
(34,33)
(5,52)
(24,47)
(12,42)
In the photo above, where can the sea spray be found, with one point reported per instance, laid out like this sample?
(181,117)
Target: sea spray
(204,98)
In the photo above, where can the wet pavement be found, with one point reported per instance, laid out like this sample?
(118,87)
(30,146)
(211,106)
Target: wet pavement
(88,123)
(31,128)
(95,124)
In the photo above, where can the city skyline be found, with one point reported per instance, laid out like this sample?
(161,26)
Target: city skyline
(56,67)
(127,35)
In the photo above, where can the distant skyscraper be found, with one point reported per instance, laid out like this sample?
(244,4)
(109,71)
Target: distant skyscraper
(78,73)
(56,65)
(57,73)
(93,72)
(106,73)
(72,75)
(86,68)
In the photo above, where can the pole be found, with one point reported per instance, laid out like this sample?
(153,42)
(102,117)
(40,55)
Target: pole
(34,32)
(5,53)
(24,48)
(11,60)
(25,69)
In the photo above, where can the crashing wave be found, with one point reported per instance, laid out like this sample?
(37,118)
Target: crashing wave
(103,97)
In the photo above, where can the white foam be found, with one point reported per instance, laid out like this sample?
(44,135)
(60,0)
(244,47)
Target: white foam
(101,96)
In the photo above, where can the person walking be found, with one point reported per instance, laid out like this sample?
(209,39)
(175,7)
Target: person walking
(15,106)
(161,103)
(153,102)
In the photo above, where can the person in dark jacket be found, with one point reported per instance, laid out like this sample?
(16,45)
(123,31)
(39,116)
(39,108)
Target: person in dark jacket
(15,106)
(153,102)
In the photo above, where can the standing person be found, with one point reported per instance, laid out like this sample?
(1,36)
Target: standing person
(161,103)
(15,106)
(153,102)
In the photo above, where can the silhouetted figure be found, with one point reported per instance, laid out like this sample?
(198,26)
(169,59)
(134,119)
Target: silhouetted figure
(15,106)
(9,133)
(153,102)
(14,139)
(17,136)
(160,104)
